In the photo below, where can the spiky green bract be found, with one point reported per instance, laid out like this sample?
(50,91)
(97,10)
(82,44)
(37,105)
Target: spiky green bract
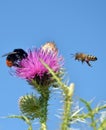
(24,118)
(29,106)
(91,114)
(46,82)
(55,77)
(102,125)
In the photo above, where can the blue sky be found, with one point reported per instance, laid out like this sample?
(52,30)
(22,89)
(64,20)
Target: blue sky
(75,26)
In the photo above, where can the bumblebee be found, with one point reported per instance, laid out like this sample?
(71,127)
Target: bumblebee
(14,58)
(85,58)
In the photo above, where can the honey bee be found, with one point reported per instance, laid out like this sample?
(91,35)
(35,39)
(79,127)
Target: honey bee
(50,47)
(85,58)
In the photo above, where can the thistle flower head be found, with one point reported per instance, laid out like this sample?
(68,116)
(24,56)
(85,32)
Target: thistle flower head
(31,67)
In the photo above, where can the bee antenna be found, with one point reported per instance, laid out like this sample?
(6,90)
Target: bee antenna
(72,55)
(9,54)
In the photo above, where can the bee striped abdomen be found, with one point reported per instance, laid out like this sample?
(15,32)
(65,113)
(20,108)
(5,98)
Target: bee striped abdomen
(91,58)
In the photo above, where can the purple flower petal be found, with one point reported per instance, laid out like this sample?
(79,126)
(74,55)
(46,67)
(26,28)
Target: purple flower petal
(31,66)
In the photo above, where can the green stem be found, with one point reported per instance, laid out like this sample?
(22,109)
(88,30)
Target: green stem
(43,126)
(30,127)
(67,107)
(44,104)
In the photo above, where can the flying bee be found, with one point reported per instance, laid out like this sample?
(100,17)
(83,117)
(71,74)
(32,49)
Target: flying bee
(14,58)
(85,58)
(50,47)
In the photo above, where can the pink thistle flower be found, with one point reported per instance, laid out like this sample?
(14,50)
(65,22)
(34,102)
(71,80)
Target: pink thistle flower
(31,67)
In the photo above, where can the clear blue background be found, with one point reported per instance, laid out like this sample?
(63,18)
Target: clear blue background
(75,26)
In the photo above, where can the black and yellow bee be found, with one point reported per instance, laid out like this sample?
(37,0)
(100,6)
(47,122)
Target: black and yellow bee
(85,58)
(13,58)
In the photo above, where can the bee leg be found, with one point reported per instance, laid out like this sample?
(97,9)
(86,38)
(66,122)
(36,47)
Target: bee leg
(76,58)
(82,61)
(88,63)
(16,64)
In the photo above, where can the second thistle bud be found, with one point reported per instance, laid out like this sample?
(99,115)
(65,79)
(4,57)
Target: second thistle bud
(29,106)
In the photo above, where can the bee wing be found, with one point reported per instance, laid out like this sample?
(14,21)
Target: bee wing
(72,55)
(9,54)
